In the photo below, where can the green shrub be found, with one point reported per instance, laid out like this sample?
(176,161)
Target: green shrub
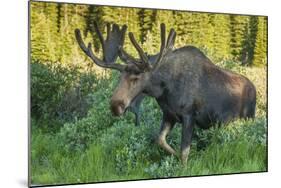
(60,93)
(167,167)
(78,135)
(250,130)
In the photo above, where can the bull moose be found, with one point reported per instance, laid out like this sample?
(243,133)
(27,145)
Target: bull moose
(188,87)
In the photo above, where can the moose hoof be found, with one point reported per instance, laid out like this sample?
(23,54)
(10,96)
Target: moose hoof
(184,161)
(184,156)
(160,142)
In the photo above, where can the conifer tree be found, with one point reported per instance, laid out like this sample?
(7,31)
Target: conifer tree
(94,14)
(221,41)
(260,51)
(183,27)
(220,36)
(249,41)
(238,25)
(43,31)
(145,23)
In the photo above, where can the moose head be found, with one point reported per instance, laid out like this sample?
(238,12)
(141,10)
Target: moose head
(135,72)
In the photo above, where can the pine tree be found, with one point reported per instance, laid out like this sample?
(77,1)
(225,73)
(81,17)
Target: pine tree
(94,14)
(43,31)
(153,36)
(131,20)
(238,25)
(249,41)
(183,27)
(146,23)
(260,51)
(221,42)
(79,12)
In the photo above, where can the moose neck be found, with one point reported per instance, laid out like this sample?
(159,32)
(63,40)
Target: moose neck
(157,84)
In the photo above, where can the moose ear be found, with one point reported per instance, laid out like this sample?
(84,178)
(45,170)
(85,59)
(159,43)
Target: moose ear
(133,69)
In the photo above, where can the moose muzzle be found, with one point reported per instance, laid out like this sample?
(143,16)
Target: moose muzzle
(118,107)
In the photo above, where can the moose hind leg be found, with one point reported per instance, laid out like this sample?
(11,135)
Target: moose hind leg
(166,127)
(187,129)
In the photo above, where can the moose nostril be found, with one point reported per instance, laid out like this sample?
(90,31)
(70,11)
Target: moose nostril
(117,107)
(121,104)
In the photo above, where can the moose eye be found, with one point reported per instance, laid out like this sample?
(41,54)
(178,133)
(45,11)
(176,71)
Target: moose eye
(134,80)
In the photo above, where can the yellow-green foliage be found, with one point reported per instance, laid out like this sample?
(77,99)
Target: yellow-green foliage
(258,75)
(221,36)
(260,55)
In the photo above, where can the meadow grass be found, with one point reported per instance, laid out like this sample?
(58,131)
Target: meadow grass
(125,153)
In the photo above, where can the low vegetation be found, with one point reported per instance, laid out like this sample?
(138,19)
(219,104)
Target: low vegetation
(96,147)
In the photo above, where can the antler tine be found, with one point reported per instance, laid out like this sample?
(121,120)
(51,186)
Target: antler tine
(141,53)
(99,35)
(163,45)
(88,51)
(123,32)
(80,41)
(108,31)
(115,28)
(164,49)
(126,58)
(171,39)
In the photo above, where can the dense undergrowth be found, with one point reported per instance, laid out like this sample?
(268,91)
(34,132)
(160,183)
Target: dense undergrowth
(76,139)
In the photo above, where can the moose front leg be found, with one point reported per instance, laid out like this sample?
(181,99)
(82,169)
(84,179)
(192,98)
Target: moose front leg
(187,128)
(166,126)
(137,120)
(135,108)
